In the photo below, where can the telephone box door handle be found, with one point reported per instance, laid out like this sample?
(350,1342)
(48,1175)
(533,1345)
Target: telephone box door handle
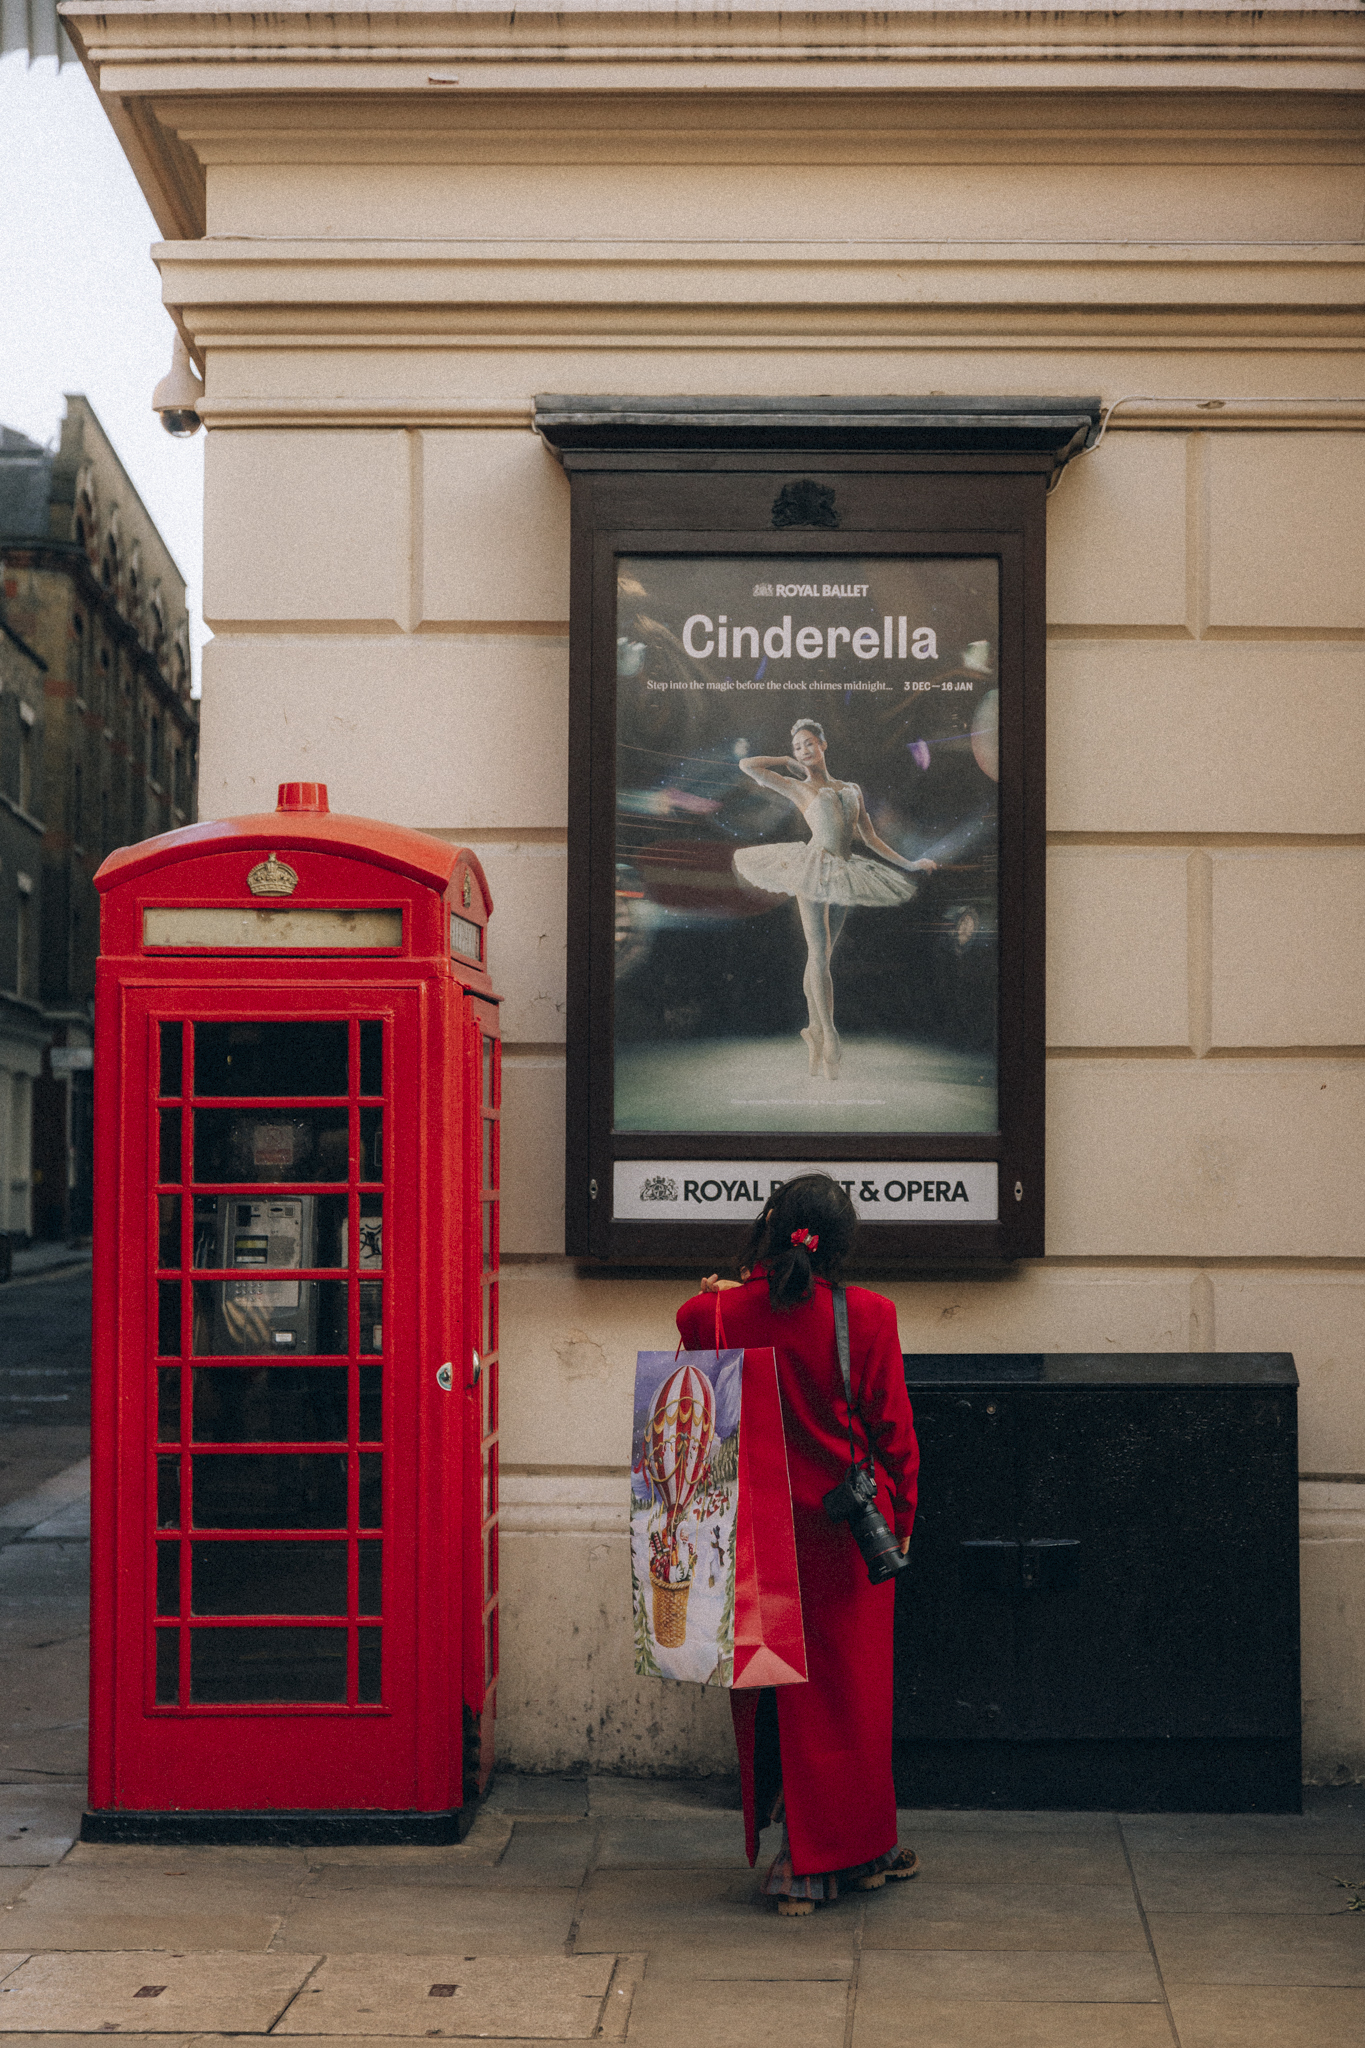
(445,1378)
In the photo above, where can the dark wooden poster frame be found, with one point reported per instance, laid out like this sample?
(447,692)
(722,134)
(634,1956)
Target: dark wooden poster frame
(657,478)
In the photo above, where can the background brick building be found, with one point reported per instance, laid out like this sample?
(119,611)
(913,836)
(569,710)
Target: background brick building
(90,591)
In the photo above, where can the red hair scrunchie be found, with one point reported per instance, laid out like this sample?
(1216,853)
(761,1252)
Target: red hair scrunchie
(808,1238)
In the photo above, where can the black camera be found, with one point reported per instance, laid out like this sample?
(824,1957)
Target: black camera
(854,1500)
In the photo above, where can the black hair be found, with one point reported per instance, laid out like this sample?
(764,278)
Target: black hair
(811,1202)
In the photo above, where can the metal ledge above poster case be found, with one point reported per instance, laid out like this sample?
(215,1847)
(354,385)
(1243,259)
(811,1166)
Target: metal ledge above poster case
(807,818)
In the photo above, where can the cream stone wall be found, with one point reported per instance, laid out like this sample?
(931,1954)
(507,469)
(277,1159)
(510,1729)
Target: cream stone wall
(378,279)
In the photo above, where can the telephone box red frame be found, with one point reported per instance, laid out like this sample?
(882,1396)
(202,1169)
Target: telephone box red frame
(410,1764)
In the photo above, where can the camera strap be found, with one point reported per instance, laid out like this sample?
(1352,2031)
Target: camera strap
(841,1339)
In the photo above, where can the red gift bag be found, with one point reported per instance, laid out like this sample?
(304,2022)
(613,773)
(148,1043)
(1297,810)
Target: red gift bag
(717,1599)
(770,1637)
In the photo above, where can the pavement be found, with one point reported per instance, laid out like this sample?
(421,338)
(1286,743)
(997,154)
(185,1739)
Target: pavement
(615,1909)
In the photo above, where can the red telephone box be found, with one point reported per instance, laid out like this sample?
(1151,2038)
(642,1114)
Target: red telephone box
(294,1498)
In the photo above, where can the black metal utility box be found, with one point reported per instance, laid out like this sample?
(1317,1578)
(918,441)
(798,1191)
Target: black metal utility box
(1103,1605)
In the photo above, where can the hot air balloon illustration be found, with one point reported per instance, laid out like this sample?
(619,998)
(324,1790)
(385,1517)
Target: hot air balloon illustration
(678,1436)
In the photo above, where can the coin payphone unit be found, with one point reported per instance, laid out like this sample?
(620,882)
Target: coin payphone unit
(294,1491)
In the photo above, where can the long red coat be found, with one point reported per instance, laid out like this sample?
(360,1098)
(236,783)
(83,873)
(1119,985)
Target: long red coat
(835,1731)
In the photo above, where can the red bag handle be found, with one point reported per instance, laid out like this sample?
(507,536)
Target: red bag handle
(720,1331)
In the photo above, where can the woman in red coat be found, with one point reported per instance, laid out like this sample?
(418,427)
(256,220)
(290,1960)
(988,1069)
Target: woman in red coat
(818,1755)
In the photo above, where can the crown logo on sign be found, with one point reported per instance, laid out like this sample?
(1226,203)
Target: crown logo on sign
(272,877)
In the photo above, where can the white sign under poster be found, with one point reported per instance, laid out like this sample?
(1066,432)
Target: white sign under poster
(734,1190)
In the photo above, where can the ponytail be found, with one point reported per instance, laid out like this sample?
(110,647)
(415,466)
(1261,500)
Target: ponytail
(804,1233)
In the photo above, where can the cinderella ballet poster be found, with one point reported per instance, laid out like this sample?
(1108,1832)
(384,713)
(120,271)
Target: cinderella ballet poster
(806,910)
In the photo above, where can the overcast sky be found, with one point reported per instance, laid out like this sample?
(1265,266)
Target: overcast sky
(80,299)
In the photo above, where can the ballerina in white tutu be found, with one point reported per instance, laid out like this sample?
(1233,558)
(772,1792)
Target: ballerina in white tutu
(824,875)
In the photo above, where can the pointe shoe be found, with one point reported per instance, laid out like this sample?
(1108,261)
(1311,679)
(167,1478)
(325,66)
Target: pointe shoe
(814,1045)
(830,1059)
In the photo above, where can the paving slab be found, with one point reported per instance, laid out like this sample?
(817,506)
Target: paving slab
(52,1496)
(201,1863)
(608,1797)
(10,1961)
(1260,1948)
(336,1880)
(1040,1856)
(550,1998)
(679,2012)
(1247,1834)
(549,1852)
(651,1841)
(38,1823)
(994,2023)
(1233,2016)
(432,1919)
(984,1822)
(126,2040)
(150,1992)
(887,1928)
(1190,1881)
(533,1798)
(477,1856)
(929,1898)
(901,1978)
(689,1920)
(172,1903)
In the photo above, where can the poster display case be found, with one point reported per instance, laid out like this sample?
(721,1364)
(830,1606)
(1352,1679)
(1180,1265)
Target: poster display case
(807,820)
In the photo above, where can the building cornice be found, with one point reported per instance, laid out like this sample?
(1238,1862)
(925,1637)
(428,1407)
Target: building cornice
(282,296)
(419,67)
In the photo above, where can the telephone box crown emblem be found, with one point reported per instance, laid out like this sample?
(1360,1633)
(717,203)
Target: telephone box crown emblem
(272,877)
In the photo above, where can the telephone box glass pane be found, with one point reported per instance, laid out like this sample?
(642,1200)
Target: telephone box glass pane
(490,1169)
(371,1233)
(168,1318)
(371,1640)
(230,1666)
(270,1490)
(169,1166)
(287,1404)
(168,1578)
(488,1102)
(372,1059)
(371,1318)
(253,1318)
(249,1146)
(371,1575)
(268,1578)
(172,1057)
(168,1493)
(168,1230)
(168,1405)
(372,1144)
(371,1489)
(371,1404)
(273,1058)
(167,1666)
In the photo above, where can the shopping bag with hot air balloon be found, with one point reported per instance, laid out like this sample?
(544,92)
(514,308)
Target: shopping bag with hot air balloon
(717,1598)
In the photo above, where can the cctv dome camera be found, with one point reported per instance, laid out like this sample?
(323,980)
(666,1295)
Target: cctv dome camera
(177,396)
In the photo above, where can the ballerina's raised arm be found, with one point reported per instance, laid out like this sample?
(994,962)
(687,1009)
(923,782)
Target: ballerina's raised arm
(765,769)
